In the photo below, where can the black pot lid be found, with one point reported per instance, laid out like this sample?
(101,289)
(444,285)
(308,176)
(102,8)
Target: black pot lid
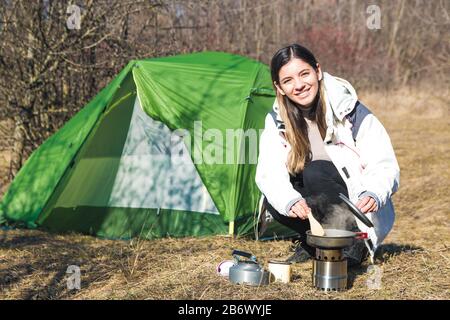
(361,216)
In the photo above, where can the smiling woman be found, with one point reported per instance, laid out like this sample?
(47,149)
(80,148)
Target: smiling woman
(300,86)
(297,82)
(320,141)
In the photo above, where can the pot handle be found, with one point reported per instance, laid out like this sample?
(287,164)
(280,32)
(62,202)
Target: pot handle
(362,217)
(361,235)
(236,253)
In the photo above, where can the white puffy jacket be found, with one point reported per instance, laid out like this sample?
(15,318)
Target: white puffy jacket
(359,147)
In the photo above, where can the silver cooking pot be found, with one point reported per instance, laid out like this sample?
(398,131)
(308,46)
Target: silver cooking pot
(334,239)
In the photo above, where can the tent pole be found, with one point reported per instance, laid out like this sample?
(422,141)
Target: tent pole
(231,228)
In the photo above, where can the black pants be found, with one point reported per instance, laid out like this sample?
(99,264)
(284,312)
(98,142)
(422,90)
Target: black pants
(320,184)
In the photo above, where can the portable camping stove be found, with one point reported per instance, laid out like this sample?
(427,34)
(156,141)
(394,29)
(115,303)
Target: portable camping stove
(329,264)
(329,270)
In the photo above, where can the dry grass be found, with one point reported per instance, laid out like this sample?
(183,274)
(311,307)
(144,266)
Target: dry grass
(414,259)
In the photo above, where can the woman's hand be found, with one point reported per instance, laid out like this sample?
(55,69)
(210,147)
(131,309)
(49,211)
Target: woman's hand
(300,209)
(367,204)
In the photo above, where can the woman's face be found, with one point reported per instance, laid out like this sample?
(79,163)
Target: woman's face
(299,82)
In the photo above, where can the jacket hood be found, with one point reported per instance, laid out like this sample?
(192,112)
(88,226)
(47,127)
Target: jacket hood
(340,96)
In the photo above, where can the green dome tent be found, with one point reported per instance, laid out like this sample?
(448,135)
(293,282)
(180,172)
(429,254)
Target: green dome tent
(111,172)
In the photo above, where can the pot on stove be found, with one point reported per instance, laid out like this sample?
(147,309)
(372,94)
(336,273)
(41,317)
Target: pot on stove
(334,239)
(329,265)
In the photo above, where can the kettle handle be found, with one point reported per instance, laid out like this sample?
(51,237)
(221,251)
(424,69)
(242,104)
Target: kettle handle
(243,254)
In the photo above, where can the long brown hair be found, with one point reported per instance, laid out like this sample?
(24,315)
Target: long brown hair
(291,114)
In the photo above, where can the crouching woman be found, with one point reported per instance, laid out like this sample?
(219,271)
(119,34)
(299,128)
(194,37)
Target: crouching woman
(320,140)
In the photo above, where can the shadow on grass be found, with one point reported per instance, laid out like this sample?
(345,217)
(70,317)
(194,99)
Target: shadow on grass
(39,264)
(383,254)
(389,250)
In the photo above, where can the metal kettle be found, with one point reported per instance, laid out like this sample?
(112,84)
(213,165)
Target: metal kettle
(249,271)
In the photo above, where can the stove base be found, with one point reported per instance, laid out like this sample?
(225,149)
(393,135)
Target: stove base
(330,275)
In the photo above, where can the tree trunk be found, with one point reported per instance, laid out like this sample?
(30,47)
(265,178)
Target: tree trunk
(18,147)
